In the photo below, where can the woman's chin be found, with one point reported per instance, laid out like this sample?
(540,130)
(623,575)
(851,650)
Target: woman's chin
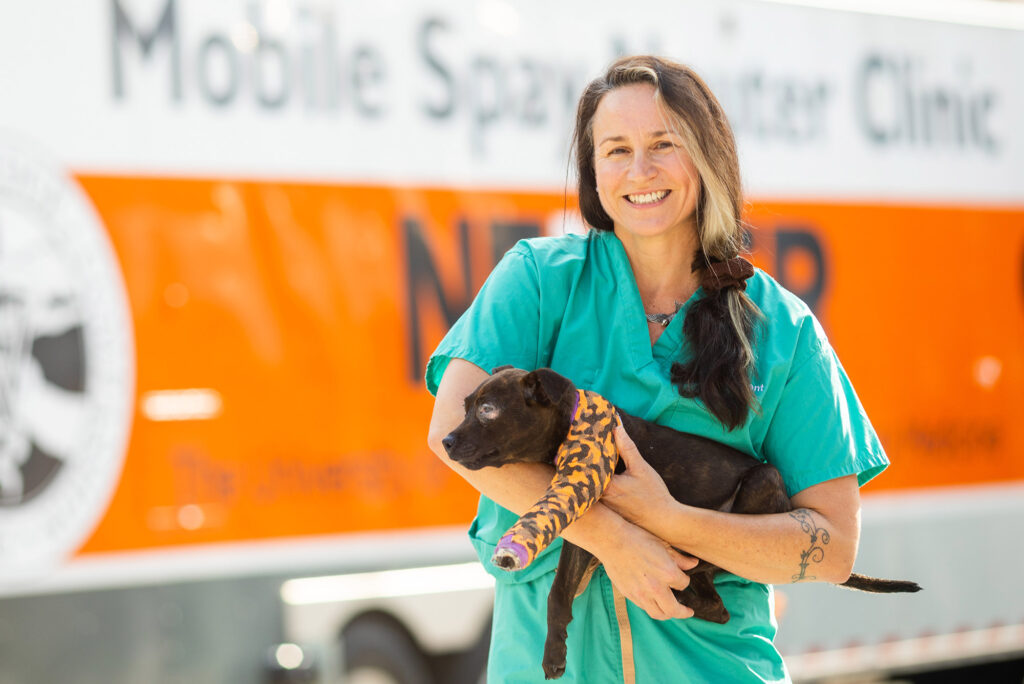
(655,230)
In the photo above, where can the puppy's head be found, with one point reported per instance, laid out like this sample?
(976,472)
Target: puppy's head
(513,417)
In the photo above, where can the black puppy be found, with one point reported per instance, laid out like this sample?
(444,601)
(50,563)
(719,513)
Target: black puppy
(515,417)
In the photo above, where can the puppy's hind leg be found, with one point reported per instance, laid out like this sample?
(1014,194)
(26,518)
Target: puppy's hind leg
(703,598)
(574,565)
(761,491)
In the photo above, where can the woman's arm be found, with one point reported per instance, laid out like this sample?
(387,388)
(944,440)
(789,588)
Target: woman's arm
(815,542)
(642,567)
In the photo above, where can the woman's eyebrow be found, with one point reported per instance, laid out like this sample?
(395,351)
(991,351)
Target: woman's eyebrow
(622,138)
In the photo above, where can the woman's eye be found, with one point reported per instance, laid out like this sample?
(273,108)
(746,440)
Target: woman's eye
(663,145)
(487,412)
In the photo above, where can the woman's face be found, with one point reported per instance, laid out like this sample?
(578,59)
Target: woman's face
(645,180)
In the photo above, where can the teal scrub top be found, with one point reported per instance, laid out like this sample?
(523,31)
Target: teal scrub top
(571,303)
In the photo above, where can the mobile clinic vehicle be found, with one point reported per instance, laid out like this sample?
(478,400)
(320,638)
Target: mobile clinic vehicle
(230,234)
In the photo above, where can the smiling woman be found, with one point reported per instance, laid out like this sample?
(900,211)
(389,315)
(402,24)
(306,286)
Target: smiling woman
(659,186)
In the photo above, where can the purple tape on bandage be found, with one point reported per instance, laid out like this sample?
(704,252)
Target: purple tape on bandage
(506,544)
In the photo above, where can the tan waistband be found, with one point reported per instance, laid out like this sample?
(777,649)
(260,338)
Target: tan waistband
(625,637)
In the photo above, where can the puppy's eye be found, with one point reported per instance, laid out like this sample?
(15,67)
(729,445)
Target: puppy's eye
(487,412)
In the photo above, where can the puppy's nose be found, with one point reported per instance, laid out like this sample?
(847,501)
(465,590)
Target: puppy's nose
(449,443)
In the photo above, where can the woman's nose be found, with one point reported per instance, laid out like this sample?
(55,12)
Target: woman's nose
(642,166)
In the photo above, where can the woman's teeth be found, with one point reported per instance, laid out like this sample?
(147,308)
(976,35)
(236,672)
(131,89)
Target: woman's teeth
(649,198)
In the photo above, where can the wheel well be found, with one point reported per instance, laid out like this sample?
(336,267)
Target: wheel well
(458,667)
(381,618)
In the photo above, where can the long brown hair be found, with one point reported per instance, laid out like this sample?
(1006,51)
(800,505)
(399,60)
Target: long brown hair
(719,326)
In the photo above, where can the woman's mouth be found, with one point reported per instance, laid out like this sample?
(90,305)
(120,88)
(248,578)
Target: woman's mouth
(648,199)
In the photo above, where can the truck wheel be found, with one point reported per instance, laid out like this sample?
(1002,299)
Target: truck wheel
(379,650)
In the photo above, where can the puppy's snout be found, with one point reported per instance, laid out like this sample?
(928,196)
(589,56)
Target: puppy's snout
(449,443)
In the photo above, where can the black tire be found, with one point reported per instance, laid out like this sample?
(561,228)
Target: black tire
(378,648)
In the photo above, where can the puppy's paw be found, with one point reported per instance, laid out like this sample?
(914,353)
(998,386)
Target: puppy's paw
(554,659)
(509,554)
(506,560)
(553,671)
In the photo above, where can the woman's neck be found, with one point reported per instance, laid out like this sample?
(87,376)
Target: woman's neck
(661,266)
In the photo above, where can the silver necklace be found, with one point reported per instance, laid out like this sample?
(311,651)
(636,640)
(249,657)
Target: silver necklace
(663,319)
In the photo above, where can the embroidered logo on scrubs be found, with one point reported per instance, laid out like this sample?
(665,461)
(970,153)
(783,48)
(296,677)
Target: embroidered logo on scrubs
(692,387)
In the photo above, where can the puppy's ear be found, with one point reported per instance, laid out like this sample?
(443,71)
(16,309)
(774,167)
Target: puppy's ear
(501,368)
(544,386)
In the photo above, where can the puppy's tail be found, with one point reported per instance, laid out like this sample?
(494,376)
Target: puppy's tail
(880,586)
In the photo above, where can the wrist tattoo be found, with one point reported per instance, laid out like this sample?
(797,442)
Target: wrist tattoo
(819,538)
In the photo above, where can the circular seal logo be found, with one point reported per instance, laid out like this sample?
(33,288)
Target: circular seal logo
(66,364)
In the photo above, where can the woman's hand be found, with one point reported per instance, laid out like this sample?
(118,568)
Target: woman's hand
(639,493)
(645,570)
(642,567)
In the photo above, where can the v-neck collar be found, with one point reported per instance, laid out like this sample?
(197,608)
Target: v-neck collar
(666,348)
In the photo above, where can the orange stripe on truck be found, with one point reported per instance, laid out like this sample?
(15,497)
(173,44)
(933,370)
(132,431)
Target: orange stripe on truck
(281,331)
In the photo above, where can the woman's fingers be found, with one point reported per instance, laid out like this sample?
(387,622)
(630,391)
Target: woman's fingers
(683,561)
(673,609)
(627,448)
(663,604)
(669,603)
(645,570)
(638,493)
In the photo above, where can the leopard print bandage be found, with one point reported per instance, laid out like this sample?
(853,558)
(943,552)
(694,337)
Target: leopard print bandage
(584,466)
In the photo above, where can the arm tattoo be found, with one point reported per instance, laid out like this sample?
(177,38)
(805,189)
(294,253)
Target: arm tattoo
(815,552)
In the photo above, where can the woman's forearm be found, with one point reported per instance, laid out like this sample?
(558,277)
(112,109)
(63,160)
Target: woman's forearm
(815,541)
(802,545)
(518,486)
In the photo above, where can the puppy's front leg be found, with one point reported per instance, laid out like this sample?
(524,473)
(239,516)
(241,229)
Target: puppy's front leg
(573,566)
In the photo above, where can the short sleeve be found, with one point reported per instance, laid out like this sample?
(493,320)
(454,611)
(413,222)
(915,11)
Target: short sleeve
(819,430)
(501,326)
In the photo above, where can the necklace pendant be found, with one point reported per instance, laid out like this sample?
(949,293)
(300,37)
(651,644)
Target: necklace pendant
(661,319)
